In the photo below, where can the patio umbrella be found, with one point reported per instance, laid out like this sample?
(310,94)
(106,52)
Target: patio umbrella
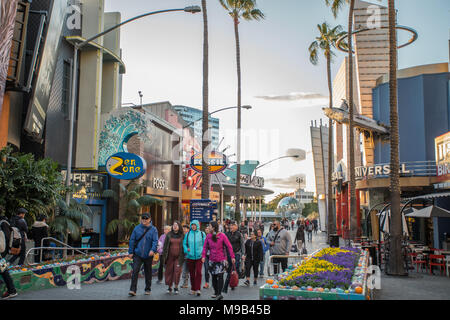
(430,212)
(385,222)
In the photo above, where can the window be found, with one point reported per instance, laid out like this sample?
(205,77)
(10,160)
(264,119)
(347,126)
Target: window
(65,96)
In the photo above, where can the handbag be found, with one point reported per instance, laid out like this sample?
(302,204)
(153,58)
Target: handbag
(234,279)
(294,248)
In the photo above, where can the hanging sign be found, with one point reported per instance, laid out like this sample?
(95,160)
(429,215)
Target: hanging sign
(126,166)
(217,162)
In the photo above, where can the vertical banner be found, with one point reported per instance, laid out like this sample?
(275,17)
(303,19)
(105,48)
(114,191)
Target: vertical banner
(8,10)
(37,111)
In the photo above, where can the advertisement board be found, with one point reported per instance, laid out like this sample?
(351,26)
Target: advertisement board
(202,210)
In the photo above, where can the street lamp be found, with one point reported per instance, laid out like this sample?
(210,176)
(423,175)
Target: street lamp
(76,47)
(297,154)
(211,113)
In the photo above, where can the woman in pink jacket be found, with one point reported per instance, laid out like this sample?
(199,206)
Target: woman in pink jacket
(219,246)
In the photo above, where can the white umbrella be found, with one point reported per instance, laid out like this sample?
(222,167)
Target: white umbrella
(430,212)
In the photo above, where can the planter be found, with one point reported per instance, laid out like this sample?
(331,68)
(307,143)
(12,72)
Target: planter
(318,278)
(92,269)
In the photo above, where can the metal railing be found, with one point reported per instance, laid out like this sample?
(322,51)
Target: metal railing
(71,248)
(297,256)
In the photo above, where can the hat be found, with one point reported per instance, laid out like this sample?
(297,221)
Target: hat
(22,210)
(146,215)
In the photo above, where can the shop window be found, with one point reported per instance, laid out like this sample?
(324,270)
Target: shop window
(18,43)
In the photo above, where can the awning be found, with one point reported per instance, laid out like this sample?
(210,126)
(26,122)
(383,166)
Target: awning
(430,212)
(429,196)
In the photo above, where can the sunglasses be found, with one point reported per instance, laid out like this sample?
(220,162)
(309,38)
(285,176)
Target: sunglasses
(144,218)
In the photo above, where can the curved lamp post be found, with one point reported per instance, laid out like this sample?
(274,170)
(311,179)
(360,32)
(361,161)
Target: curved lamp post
(76,47)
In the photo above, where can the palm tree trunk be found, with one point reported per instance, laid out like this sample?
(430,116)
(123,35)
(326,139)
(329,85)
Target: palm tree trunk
(206,148)
(396,266)
(8,12)
(237,212)
(331,216)
(351,144)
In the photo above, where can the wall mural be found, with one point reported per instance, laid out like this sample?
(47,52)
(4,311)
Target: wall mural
(118,127)
(92,270)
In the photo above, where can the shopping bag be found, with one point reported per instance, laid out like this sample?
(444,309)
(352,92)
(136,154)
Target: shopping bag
(234,279)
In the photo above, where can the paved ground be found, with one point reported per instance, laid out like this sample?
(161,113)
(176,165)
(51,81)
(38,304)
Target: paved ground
(118,290)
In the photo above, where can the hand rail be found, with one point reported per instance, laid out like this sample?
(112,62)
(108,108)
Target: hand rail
(58,248)
(282,256)
(57,241)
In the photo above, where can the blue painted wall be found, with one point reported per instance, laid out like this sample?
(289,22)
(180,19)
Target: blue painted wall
(424,114)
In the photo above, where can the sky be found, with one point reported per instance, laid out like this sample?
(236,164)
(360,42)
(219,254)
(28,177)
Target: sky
(163,55)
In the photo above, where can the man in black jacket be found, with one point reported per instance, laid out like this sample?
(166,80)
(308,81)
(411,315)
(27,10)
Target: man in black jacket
(19,222)
(237,242)
(39,231)
(11,290)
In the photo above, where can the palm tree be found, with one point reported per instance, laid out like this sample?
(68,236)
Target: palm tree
(205,119)
(64,220)
(325,42)
(131,202)
(396,266)
(336,6)
(240,9)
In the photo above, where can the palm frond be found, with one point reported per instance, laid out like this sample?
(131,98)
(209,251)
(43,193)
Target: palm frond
(113,226)
(313,53)
(74,229)
(146,200)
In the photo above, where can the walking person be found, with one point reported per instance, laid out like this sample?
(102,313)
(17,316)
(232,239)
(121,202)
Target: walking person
(205,265)
(316,225)
(280,244)
(19,222)
(193,248)
(309,230)
(11,291)
(173,256)
(252,257)
(292,225)
(185,274)
(143,245)
(39,231)
(300,237)
(266,247)
(243,229)
(238,244)
(217,242)
(160,252)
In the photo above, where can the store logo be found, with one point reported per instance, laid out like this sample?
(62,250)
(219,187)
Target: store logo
(73,16)
(126,166)
(74,280)
(374,278)
(217,162)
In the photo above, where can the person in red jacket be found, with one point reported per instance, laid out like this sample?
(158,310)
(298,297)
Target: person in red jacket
(217,242)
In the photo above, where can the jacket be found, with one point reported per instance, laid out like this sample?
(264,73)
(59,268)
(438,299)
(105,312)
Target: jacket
(237,241)
(161,243)
(148,243)
(300,235)
(265,244)
(193,242)
(166,250)
(216,249)
(20,224)
(282,244)
(253,251)
(39,230)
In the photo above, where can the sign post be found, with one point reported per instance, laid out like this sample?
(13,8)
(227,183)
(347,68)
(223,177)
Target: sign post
(202,210)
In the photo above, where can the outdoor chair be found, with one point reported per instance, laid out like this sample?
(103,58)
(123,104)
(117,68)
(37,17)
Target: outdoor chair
(447,261)
(437,260)
(418,259)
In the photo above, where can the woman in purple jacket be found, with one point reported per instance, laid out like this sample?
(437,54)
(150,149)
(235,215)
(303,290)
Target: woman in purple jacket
(160,252)
(217,242)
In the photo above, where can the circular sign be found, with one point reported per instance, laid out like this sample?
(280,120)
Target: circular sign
(126,166)
(217,162)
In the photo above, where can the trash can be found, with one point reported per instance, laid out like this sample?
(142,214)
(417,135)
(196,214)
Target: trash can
(373,253)
(334,240)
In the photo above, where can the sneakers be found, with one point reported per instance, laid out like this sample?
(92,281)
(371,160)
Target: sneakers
(198,293)
(7,295)
(169,290)
(132,293)
(148,292)
(175,291)
(192,292)
(159,282)
(232,288)
(255,282)
(219,297)
(213,296)
(185,285)
(206,286)
(247,283)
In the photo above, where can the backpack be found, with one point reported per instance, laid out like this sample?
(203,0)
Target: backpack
(310,227)
(15,239)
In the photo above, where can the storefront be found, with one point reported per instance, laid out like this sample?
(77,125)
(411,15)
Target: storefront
(90,187)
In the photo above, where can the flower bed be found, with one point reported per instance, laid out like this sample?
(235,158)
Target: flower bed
(95,268)
(330,274)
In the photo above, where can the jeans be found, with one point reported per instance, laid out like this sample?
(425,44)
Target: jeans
(237,257)
(249,265)
(137,264)
(195,272)
(217,281)
(8,282)
(185,274)
(309,235)
(261,265)
(161,268)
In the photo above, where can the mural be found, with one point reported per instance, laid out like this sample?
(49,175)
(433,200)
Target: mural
(118,127)
(92,270)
